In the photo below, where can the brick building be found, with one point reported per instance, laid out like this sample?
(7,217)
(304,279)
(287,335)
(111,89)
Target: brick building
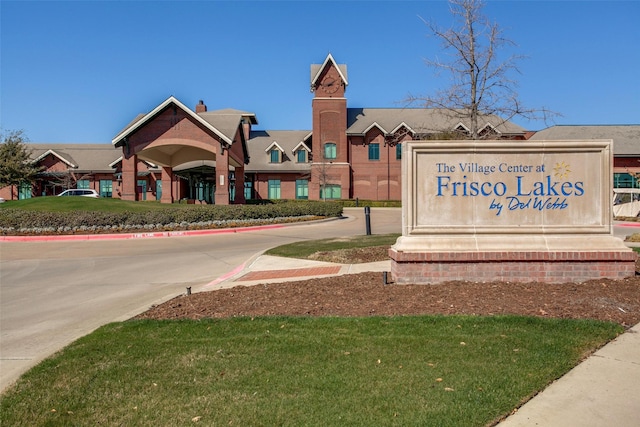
(173,153)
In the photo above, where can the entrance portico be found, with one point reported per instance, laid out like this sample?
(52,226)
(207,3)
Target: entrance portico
(172,136)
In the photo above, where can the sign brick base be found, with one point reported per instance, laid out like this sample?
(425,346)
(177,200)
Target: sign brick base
(517,266)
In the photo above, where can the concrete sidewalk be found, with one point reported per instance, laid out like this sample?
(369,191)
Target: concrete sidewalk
(604,390)
(266,268)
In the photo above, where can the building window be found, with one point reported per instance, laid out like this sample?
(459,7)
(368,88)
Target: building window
(330,191)
(398,151)
(24,191)
(302,189)
(275,156)
(374,151)
(83,184)
(301,156)
(106,187)
(330,150)
(274,189)
(142,189)
(625,180)
(248,190)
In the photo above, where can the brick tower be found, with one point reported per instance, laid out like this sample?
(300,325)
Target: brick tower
(330,169)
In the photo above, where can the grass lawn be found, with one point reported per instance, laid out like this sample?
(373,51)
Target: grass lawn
(305,248)
(377,371)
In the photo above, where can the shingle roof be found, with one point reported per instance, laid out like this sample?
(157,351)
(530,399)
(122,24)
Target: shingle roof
(141,120)
(131,123)
(420,120)
(87,157)
(233,111)
(626,138)
(260,140)
(227,123)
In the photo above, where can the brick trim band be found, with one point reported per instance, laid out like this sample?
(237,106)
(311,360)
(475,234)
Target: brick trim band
(547,267)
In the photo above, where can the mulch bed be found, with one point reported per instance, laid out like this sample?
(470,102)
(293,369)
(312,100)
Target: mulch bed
(365,294)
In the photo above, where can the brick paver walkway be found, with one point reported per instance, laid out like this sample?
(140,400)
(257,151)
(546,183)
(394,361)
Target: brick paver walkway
(297,272)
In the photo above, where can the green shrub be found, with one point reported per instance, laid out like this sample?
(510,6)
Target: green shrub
(197,216)
(371,203)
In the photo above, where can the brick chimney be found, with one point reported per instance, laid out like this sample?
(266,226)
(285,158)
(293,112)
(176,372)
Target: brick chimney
(201,108)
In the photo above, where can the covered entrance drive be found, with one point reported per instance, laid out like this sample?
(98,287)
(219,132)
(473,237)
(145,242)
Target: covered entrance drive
(200,181)
(197,152)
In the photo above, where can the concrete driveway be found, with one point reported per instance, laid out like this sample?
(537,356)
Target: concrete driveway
(54,292)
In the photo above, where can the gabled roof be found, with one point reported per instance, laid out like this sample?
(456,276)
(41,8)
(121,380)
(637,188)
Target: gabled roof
(227,121)
(274,145)
(81,157)
(489,126)
(401,125)
(151,166)
(301,146)
(462,127)
(115,162)
(53,153)
(287,140)
(626,138)
(141,120)
(418,120)
(375,125)
(317,69)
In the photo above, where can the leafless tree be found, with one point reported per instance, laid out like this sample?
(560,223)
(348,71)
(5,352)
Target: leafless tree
(481,82)
(321,173)
(68,179)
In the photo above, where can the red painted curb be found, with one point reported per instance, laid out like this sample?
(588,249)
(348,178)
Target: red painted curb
(224,277)
(628,224)
(127,236)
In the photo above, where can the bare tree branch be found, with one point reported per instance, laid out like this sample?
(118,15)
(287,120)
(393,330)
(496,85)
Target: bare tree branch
(481,83)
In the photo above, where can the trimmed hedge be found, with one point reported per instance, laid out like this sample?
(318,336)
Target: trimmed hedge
(14,221)
(371,203)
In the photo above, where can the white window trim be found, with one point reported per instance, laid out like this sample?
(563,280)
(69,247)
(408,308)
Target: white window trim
(461,125)
(489,126)
(274,146)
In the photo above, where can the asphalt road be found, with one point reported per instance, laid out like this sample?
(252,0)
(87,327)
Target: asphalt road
(54,292)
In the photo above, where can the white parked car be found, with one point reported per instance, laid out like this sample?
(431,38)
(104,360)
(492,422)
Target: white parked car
(626,202)
(1,200)
(84,192)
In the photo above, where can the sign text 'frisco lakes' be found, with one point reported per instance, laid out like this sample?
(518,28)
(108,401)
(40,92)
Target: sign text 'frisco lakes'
(513,187)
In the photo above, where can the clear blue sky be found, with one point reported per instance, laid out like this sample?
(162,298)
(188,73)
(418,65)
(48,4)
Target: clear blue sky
(79,71)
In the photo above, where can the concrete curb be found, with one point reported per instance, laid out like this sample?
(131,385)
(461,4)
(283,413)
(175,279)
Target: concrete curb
(156,234)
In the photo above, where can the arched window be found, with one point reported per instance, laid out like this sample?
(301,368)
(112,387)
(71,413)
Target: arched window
(330,150)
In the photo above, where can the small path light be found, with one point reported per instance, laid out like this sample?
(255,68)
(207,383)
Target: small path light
(189,290)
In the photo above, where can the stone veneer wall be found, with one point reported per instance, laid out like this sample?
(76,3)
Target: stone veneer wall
(508,211)
(547,267)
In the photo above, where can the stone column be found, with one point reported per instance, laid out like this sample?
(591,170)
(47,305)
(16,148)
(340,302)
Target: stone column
(167,185)
(222,177)
(129,177)
(240,186)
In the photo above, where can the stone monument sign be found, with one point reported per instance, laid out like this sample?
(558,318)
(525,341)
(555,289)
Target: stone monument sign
(508,210)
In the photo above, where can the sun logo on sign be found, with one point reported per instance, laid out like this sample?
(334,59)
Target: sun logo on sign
(561,170)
